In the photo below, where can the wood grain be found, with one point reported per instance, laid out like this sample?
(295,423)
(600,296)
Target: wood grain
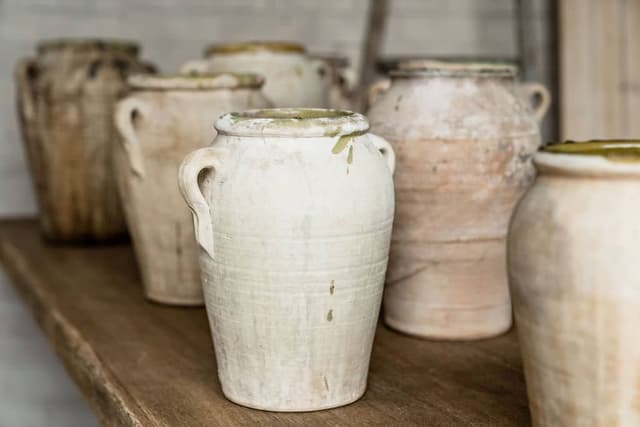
(599,69)
(142,364)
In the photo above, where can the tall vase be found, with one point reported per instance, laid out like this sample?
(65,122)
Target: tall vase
(464,140)
(162,120)
(573,252)
(66,98)
(294,220)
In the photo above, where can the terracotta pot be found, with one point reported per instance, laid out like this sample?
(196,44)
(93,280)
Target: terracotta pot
(464,141)
(573,268)
(66,97)
(294,219)
(292,78)
(161,121)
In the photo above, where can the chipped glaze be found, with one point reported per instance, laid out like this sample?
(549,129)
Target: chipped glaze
(573,252)
(66,97)
(464,142)
(292,78)
(295,242)
(161,121)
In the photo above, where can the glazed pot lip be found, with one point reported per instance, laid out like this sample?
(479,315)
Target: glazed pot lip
(88,44)
(617,157)
(334,59)
(195,82)
(253,47)
(442,68)
(292,122)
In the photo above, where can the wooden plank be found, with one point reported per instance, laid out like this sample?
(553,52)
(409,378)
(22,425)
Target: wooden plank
(599,68)
(143,364)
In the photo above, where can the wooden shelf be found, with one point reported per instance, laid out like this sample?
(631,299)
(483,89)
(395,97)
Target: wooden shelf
(143,364)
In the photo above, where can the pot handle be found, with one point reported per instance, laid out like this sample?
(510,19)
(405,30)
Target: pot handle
(26,72)
(127,111)
(376,89)
(385,149)
(193,164)
(194,67)
(533,90)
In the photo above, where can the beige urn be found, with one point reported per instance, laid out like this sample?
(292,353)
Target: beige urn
(162,120)
(292,77)
(573,252)
(66,97)
(464,140)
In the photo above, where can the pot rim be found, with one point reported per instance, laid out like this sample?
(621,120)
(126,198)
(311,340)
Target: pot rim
(88,43)
(292,122)
(254,46)
(445,68)
(615,157)
(209,81)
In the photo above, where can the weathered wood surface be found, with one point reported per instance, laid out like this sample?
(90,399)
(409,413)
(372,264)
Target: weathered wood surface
(599,69)
(142,364)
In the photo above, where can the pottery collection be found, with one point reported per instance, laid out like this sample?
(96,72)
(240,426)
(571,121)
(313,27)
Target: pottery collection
(295,224)
(66,97)
(573,246)
(294,220)
(464,141)
(292,78)
(162,120)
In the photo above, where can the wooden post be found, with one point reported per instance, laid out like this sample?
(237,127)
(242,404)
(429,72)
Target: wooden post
(371,50)
(538,49)
(599,68)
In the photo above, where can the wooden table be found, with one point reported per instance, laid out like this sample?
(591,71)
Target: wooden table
(143,364)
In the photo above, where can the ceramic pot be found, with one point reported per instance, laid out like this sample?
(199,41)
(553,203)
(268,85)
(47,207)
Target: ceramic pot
(292,78)
(161,121)
(533,94)
(294,220)
(573,268)
(343,80)
(464,142)
(66,98)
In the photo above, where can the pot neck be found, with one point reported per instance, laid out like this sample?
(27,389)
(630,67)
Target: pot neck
(292,122)
(598,158)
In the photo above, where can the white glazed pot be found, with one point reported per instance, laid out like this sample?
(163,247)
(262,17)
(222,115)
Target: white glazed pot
(573,252)
(464,141)
(292,78)
(161,121)
(294,219)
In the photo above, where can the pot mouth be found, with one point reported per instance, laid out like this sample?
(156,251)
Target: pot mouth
(87,44)
(458,68)
(298,122)
(254,46)
(211,81)
(590,158)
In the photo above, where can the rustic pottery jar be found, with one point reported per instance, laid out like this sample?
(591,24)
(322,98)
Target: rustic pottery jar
(533,94)
(66,97)
(464,142)
(343,78)
(161,121)
(292,78)
(294,221)
(573,252)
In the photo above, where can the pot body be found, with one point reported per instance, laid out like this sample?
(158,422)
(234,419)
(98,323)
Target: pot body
(166,126)
(293,277)
(463,148)
(292,79)
(66,98)
(573,247)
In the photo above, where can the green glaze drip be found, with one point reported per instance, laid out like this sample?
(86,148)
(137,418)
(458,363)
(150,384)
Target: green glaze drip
(343,141)
(330,316)
(350,156)
(613,150)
